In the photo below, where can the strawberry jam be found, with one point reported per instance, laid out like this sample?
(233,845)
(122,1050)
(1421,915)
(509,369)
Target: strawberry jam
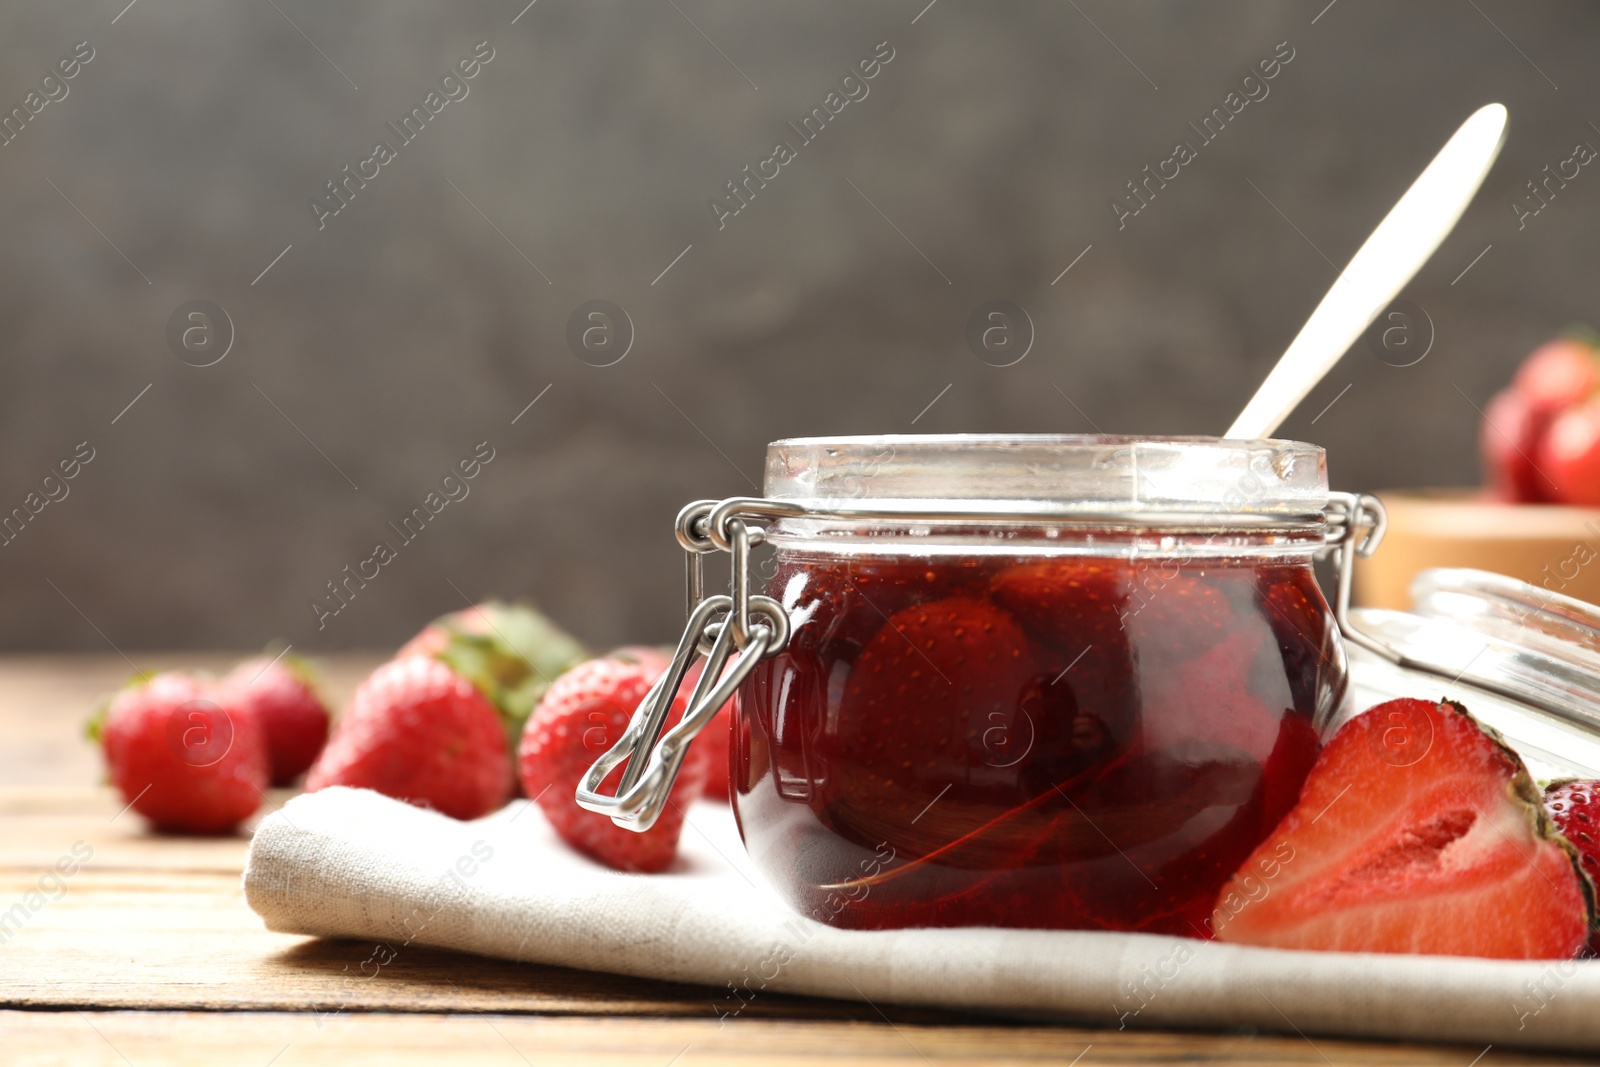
(1064,740)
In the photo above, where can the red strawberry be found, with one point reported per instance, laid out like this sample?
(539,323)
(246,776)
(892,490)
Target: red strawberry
(654,660)
(1558,374)
(281,694)
(836,610)
(583,714)
(1508,440)
(716,738)
(432,638)
(1308,642)
(182,755)
(1068,603)
(510,652)
(1175,612)
(1574,806)
(1569,455)
(1208,700)
(418,731)
(923,699)
(1417,831)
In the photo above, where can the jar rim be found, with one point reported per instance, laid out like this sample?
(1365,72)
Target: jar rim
(1199,480)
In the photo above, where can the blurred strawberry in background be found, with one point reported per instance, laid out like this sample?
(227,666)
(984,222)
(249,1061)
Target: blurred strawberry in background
(1540,436)
(281,692)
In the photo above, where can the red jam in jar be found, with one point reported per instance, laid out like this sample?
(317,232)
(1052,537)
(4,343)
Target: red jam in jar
(1062,682)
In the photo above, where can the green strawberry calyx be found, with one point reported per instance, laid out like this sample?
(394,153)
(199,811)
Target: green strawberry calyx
(513,661)
(95,727)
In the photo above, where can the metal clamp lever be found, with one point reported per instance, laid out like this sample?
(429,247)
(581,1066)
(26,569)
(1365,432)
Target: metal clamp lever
(1356,524)
(727,622)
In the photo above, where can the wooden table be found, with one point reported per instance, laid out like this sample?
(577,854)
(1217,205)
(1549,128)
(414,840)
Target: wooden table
(149,955)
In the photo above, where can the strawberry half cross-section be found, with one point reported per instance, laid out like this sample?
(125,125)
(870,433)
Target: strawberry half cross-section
(1418,831)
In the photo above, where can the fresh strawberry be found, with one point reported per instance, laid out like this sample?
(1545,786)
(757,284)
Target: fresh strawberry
(716,738)
(1417,831)
(1527,458)
(1574,806)
(510,652)
(584,713)
(182,754)
(1508,440)
(1569,455)
(1559,374)
(432,638)
(418,731)
(281,693)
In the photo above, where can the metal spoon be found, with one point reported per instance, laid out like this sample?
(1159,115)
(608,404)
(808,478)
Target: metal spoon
(1397,249)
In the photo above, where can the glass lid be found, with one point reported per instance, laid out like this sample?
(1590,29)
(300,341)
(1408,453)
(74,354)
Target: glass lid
(1200,479)
(1524,660)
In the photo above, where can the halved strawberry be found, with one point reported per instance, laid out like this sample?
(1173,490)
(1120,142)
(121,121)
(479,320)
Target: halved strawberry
(1417,831)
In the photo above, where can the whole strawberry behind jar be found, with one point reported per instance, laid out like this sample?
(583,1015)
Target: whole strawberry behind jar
(435,726)
(1030,680)
(1540,436)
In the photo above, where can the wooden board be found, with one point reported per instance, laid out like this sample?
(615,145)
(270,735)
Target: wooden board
(116,1039)
(125,938)
(170,911)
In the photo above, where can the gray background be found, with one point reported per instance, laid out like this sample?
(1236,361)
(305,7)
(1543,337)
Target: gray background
(409,329)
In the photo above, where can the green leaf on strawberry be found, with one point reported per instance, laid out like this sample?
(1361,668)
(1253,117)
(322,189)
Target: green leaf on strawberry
(509,652)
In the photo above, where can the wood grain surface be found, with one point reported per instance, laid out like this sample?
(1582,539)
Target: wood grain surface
(146,953)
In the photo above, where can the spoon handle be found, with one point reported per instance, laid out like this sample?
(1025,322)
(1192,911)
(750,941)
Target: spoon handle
(1397,249)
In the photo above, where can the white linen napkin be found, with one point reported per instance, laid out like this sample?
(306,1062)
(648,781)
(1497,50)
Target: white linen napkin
(351,863)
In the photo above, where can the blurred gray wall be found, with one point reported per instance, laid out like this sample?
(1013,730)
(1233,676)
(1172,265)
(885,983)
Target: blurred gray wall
(424,317)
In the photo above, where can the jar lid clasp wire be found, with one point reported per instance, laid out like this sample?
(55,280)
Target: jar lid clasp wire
(756,627)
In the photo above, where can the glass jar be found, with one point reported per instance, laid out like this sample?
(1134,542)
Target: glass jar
(1033,681)
(1523,660)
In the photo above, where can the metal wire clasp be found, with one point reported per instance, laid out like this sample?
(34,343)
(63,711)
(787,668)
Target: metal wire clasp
(756,626)
(1355,527)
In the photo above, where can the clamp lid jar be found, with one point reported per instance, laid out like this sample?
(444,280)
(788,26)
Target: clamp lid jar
(1030,680)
